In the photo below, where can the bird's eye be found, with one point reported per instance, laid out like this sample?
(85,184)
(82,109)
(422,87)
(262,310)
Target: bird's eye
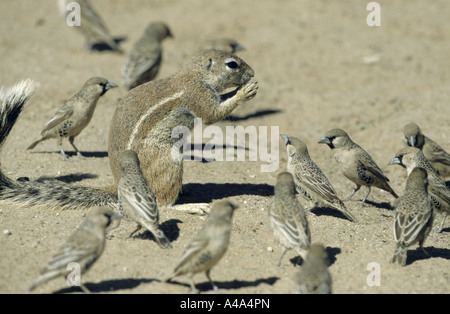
(232,64)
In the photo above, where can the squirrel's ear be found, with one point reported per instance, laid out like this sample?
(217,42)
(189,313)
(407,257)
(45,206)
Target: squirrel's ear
(209,64)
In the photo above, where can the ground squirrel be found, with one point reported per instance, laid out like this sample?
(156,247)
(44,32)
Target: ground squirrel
(146,117)
(143,122)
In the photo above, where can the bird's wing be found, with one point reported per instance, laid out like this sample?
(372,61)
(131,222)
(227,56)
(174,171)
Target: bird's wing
(441,156)
(196,246)
(439,189)
(314,179)
(90,15)
(372,167)
(144,58)
(141,199)
(407,224)
(74,251)
(64,112)
(290,226)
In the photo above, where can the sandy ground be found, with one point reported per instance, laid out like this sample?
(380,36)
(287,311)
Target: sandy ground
(319,66)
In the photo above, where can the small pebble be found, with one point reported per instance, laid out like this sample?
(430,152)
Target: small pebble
(7,232)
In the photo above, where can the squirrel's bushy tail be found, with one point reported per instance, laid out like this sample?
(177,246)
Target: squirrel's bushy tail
(50,192)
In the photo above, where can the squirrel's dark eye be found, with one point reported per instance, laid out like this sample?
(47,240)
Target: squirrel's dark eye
(232,64)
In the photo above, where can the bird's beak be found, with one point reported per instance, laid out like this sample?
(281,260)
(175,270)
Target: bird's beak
(412,141)
(285,138)
(238,47)
(325,140)
(116,216)
(110,85)
(395,161)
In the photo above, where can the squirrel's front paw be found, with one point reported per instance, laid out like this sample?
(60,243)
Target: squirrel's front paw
(248,91)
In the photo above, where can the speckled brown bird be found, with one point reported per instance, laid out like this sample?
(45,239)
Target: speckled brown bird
(136,199)
(435,154)
(413,215)
(144,59)
(75,114)
(313,277)
(287,218)
(91,24)
(309,179)
(83,247)
(209,246)
(412,157)
(355,163)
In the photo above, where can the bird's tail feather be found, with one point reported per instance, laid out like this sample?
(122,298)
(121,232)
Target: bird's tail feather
(399,256)
(159,235)
(162,240)
(44,278)
(33,145)
(343,209)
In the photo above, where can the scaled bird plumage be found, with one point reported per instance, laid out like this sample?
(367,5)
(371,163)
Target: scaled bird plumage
(413,215)
(309,179)
(136,198)
(412,157)
(287,218)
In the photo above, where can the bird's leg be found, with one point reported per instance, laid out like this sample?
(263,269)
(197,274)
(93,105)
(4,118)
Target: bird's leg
(215,288)
(193,289)
(351,194)
(281,257)
(426,253)
(133,232)
(111,228)
(88,45)
(442,224)
(365,197)
(63,153)
(71,140)
(422,248)
(85,290)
